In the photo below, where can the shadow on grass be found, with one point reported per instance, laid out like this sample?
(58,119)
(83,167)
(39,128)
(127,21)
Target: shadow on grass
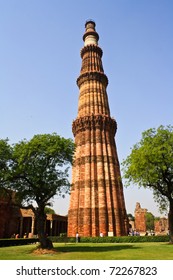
(68,248)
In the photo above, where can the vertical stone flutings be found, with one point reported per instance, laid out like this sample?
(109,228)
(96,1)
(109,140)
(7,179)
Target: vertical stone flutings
(97,200)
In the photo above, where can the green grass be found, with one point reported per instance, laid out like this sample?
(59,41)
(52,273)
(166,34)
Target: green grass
(93,251)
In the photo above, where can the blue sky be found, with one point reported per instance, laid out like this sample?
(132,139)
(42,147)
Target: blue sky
(40,62)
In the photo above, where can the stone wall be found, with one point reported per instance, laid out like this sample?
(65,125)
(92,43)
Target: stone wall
(140,218)
(14,220)
(6,214)
(161,226)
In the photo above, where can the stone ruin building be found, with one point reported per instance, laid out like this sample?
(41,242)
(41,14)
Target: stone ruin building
(140,218)
(139,223)
(161,226)
(14,220)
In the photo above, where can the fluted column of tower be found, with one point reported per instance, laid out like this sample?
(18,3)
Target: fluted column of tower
(97,200)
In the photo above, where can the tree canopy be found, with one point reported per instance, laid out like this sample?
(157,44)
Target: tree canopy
(149,221)
(36,170)
(150,165)
(49,210)
(5,162)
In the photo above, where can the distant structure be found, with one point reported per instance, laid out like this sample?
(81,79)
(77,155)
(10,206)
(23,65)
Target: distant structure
(7,211)
(140,223)
(97,200)
(161,226)
(14,220)
(140,218)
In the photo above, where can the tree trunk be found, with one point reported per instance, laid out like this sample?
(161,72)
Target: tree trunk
(45,242)
(170,221)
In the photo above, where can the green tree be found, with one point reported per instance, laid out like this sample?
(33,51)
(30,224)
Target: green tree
(150,165)
(5,162)
(5,166)
(149,221)
(131,217)
(49,210)
(37,170)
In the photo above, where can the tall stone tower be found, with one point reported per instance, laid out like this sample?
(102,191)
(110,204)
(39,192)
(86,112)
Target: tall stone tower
(97,200)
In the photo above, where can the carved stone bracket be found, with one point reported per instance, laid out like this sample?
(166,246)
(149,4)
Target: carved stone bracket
(101,122)
(96,76)
(92,48)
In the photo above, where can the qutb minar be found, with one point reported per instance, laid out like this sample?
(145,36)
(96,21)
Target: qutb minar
(97,200)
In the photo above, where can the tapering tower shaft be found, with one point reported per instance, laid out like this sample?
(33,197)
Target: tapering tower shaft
(97,200)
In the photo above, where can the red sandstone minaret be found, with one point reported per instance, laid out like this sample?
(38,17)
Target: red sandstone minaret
(97,200)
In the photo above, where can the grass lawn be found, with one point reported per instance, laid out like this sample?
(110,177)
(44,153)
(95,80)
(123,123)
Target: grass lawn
(92,251)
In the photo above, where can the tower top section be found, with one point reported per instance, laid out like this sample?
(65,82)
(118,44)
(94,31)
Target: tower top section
(90,36)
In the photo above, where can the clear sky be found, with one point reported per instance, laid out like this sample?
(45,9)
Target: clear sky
(40,43)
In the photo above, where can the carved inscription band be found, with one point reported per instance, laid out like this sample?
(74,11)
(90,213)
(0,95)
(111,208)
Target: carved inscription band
(95,76)
(93,122)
